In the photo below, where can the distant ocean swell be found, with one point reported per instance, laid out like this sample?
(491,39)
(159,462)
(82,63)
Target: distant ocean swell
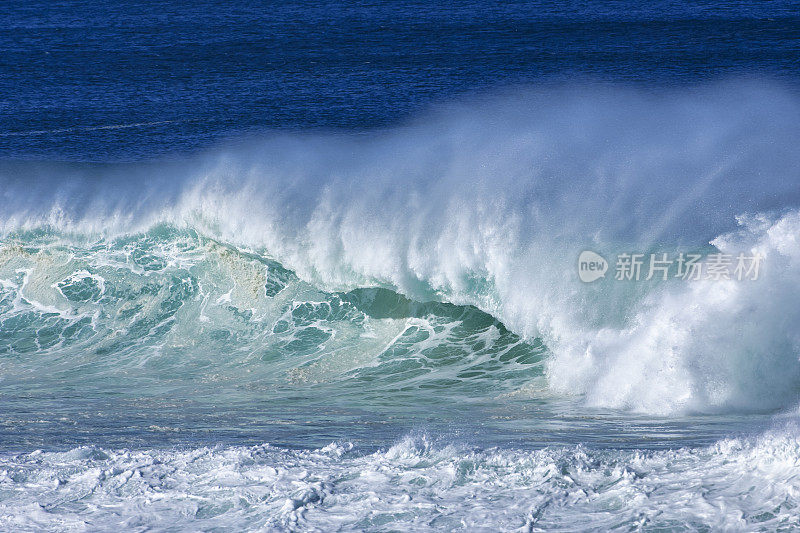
(283,244)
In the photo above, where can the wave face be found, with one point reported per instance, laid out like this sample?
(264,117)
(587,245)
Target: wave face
(416,485)
(170,309)
(484,205)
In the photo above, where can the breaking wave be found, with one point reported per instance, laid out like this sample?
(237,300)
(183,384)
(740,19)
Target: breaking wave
(282,245)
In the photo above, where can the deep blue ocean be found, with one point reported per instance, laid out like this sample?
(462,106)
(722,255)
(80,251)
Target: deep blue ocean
(140,80)
(301,266)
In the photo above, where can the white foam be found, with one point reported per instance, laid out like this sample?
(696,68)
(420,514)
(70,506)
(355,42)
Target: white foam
(735,484)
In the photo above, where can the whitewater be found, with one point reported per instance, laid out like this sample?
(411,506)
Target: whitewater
(385,330)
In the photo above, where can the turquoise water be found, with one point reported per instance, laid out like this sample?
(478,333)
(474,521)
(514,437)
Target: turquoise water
(174,337)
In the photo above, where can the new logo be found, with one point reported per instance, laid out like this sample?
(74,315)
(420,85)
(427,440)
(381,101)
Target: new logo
(591,266)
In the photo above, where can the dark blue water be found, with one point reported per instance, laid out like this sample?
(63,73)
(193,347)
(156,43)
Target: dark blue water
(82,80)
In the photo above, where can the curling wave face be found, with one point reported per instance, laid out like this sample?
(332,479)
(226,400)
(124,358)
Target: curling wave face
(171,308)
(485,206)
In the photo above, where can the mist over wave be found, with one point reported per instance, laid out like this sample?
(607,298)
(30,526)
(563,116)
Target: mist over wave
(489,202)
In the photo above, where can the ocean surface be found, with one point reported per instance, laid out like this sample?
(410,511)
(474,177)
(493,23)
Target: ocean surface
(302,266)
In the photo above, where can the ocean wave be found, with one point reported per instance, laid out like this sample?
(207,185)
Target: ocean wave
(488,204)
